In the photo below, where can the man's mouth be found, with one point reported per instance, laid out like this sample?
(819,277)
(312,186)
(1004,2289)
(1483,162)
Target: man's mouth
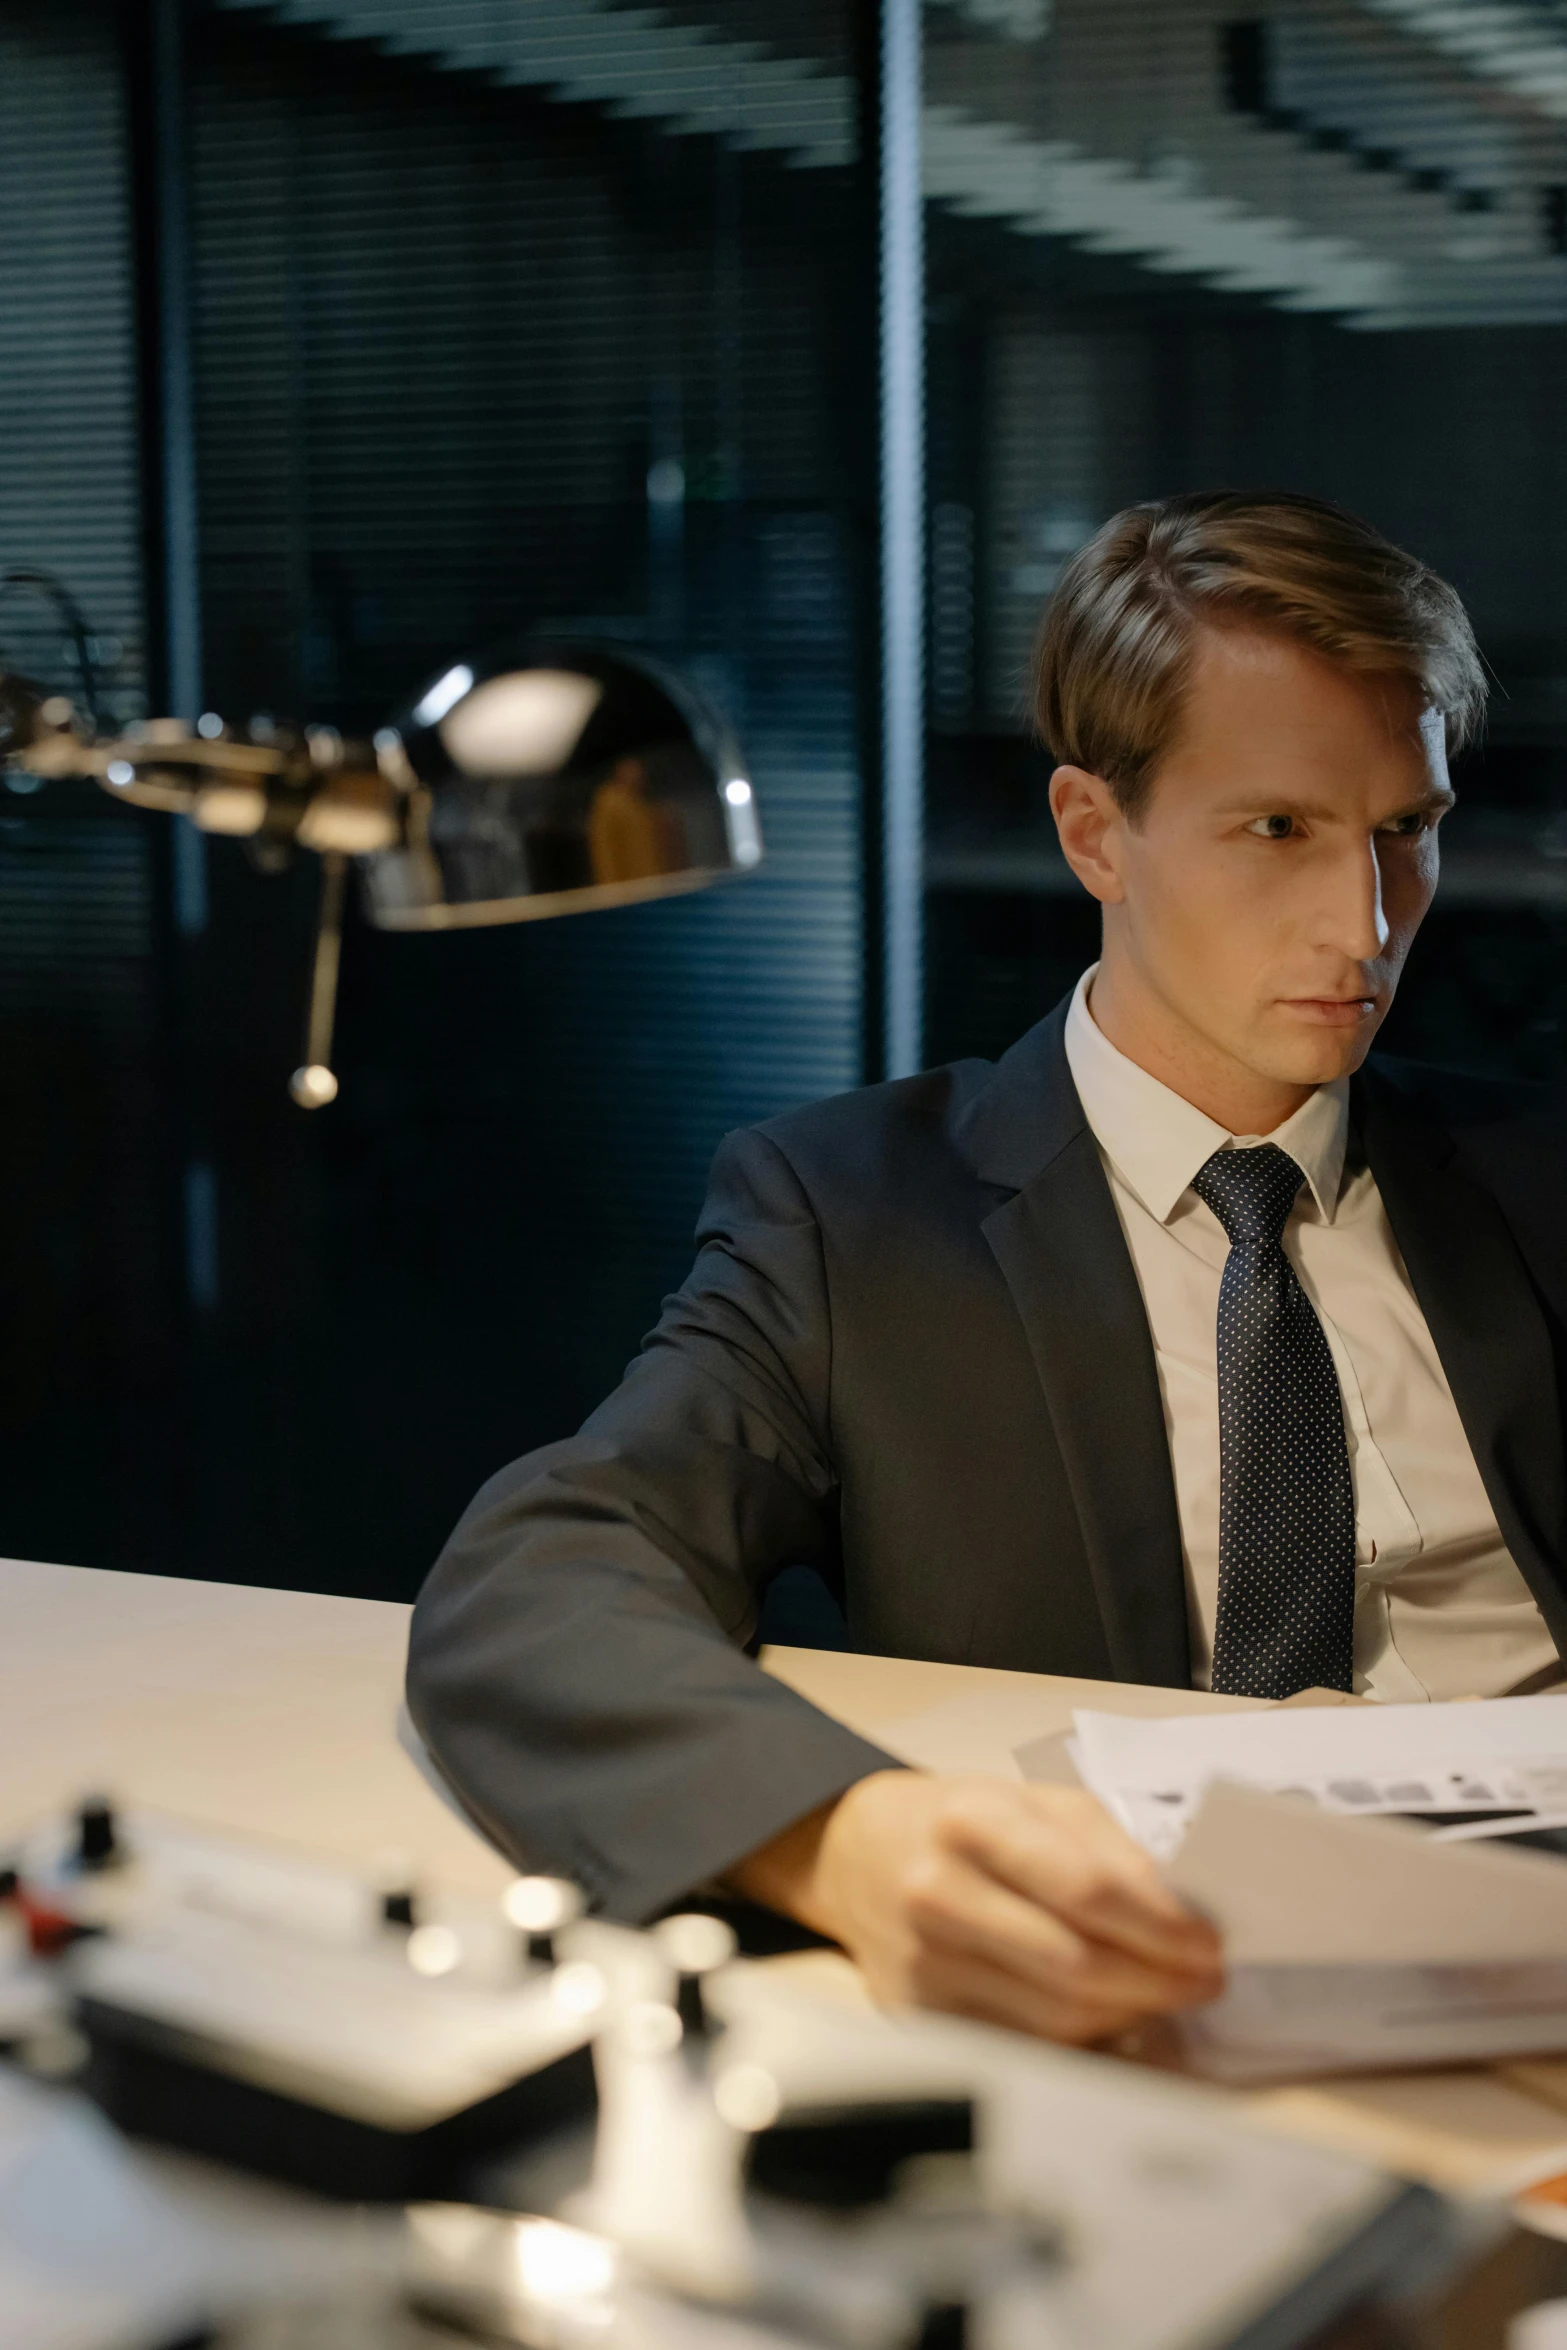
(1331,1011)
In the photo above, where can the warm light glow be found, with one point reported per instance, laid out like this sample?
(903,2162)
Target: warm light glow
(578,1988)
(433,1950)
(555,2263)
(348,820)
(747,2097)
(313,1087)
(526,723)
(236,809)
(538,1905)
(695,1944)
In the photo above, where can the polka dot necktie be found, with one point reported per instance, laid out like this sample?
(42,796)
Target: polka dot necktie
(1286,1506)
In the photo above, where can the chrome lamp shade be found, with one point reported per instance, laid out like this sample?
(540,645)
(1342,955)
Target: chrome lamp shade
(564,777)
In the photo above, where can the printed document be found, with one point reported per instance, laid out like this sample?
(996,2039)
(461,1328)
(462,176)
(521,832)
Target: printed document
(1391,1881)
(1486,1770)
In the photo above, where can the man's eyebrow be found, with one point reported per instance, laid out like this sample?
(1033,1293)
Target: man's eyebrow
(1264,803)
(1436,795)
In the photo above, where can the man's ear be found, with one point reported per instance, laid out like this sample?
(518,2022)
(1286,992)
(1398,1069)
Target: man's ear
(1092,829)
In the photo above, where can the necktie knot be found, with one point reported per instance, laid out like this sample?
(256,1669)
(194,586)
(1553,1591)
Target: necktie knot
(1251,1192)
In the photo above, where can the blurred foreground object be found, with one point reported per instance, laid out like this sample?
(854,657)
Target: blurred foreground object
(558,776)
(631,2140)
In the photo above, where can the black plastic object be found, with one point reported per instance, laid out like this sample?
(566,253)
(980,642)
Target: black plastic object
(843,2157)
(760,1933)
(1535,1839)
(695,2023)
(97,1835)
(156,2082)
(20,701)
(944,2326)
(1408,2248)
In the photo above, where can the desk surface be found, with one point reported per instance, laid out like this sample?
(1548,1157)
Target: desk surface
(266,1712)
(870,1690)
(271,1713)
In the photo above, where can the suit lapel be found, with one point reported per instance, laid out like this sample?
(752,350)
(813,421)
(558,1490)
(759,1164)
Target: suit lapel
(1059,1244)
(1488,1328)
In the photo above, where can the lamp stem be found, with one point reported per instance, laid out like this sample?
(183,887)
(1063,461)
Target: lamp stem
(313,1085)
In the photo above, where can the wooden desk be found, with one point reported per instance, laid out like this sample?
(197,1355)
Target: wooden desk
(267,1712)
(868,1691)
(272,1713)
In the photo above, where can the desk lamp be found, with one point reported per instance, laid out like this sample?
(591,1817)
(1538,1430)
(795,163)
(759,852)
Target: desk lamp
(556,776)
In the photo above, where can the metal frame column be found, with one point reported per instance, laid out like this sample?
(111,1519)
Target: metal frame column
(902,411)
(155,48)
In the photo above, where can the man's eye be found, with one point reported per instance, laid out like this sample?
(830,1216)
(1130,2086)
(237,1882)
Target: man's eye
(1272,827)
(1407,827)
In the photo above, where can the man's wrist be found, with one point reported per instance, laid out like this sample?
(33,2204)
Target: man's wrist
(785,1873)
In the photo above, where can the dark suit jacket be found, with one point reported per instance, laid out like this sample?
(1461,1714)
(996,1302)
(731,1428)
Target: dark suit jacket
(912,1353)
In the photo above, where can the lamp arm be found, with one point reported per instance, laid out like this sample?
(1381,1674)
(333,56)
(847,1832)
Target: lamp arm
(313,1084)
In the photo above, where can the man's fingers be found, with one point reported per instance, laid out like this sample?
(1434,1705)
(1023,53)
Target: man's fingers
(963,1984)
(1024,1906)
(958,1910)
(1062,1851)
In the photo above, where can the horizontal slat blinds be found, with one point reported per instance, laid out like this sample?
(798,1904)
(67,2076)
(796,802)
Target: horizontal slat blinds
(68,450)
(84,1288)
(443,334)
(447,334)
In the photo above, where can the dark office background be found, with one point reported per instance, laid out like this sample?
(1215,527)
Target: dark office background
(482,332)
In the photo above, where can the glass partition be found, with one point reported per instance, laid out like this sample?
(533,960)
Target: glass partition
(1319,247)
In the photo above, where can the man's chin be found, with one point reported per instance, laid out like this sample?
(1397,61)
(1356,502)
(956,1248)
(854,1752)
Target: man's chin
(1298,1050)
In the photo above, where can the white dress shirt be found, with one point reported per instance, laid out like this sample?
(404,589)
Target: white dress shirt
(1440,1608)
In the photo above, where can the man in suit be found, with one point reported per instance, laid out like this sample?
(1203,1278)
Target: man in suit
(1177,1346)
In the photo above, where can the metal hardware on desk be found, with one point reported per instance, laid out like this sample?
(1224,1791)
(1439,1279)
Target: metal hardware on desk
(767,2166)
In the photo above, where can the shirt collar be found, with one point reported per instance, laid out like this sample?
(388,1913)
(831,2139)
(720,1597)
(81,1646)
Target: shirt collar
(1156,1141)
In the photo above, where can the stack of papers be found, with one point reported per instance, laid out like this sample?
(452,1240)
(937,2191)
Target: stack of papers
(1391,1881)
(1463,1770)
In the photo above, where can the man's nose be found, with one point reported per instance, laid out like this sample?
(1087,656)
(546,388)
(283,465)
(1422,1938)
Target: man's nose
(1357,919)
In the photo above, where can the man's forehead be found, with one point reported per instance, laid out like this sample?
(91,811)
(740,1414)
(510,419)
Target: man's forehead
(1279,768)
(1286,691)
(1433,738)
(1242,647)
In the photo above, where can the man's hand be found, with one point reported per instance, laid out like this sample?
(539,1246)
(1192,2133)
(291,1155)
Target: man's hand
(1017,1905)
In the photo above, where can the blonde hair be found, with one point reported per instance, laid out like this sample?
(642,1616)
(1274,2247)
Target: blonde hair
(1113,659)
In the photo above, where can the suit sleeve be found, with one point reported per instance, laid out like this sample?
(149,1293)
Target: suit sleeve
(577,1664)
